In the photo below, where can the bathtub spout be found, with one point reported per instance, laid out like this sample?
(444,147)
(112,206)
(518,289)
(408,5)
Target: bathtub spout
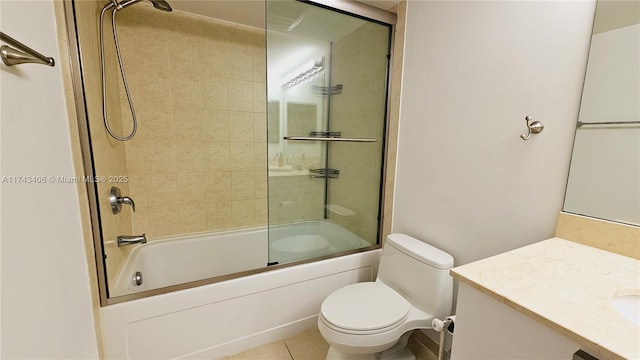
(124,240)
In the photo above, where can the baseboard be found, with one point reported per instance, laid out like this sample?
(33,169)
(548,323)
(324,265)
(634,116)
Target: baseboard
(422,345)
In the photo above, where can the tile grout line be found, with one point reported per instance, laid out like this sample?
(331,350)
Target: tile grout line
(288,350)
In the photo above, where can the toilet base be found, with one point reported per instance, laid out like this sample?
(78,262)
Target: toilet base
(399,351)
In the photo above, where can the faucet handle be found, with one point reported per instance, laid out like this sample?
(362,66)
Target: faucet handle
(116,200)
(128,201)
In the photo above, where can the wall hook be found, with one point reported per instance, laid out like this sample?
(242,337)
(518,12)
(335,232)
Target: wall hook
(534,126)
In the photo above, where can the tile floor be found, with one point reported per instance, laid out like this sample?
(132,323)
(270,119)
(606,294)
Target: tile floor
(309,345)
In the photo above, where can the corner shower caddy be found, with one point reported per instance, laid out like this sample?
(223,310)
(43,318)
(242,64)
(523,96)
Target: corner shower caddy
(326,90)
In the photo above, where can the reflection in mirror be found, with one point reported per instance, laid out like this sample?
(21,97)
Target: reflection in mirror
(604,179)
(273,122)
(301,118)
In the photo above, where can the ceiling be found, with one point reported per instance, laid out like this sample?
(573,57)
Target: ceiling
(388,5)
(611,15)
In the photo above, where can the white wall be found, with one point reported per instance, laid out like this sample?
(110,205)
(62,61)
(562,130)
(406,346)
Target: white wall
(45,294)
(465,181)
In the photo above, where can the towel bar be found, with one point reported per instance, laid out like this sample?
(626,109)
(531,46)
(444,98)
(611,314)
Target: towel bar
(21,53)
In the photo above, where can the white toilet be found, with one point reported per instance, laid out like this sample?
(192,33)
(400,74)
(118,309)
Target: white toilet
(373,320)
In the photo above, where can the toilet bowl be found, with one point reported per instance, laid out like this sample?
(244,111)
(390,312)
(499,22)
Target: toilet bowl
(373,320)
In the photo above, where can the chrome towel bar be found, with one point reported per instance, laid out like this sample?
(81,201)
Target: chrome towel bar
(314,138)
(620,123)
(21,53)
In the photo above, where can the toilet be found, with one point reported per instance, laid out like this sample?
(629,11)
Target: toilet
(373,320)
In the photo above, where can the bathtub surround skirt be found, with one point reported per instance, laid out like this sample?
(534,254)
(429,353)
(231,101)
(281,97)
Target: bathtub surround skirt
(228,317)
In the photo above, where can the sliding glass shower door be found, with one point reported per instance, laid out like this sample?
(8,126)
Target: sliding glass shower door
(327,93)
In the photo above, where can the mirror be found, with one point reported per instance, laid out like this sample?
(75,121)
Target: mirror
(604,178)
(301,118)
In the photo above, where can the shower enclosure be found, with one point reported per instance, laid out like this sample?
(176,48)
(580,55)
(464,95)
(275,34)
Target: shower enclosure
(259,145)
(326,88)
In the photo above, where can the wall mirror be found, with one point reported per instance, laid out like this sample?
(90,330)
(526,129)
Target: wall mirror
(301,118)
(604,178)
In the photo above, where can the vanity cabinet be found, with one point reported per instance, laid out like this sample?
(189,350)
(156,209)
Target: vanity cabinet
(487,329)
(546,301)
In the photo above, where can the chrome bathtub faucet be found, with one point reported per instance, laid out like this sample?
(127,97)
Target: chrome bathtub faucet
(124,240)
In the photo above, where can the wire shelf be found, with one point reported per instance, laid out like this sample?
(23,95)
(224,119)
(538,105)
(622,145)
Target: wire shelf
(326,90)
(325,134)
(324,173)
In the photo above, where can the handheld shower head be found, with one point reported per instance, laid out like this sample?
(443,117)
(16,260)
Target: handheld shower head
(161,5)
(114,6)
(158,4)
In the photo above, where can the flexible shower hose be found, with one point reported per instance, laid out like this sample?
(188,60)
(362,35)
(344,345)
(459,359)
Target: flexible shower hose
(122,72)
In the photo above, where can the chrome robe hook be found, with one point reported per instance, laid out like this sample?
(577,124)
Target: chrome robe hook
(534,126)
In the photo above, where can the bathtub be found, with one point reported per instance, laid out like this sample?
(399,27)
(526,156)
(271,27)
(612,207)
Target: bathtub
(219,319)
(183,259)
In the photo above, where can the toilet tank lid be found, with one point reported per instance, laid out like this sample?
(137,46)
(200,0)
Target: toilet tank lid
(421,251)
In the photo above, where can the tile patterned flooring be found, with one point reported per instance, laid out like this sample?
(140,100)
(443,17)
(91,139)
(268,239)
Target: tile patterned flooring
(309,345)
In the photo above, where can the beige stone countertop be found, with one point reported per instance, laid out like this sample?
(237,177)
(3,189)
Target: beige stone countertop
(286,171)
(566,286)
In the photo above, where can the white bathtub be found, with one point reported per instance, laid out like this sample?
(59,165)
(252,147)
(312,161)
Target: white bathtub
(179,260)
(228,317)
(309,239)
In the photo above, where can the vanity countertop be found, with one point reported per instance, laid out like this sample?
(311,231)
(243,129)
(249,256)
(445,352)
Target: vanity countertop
(286,171)
(566,286)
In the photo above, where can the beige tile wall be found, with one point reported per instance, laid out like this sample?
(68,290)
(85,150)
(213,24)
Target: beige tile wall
(359,62)
(198,162)
(394,117)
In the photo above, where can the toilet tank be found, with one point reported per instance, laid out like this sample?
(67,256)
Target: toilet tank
(419,272)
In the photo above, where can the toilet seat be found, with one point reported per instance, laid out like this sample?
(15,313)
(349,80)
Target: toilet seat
(364,308)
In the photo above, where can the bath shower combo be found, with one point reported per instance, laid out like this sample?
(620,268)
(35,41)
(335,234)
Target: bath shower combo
(259,234)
